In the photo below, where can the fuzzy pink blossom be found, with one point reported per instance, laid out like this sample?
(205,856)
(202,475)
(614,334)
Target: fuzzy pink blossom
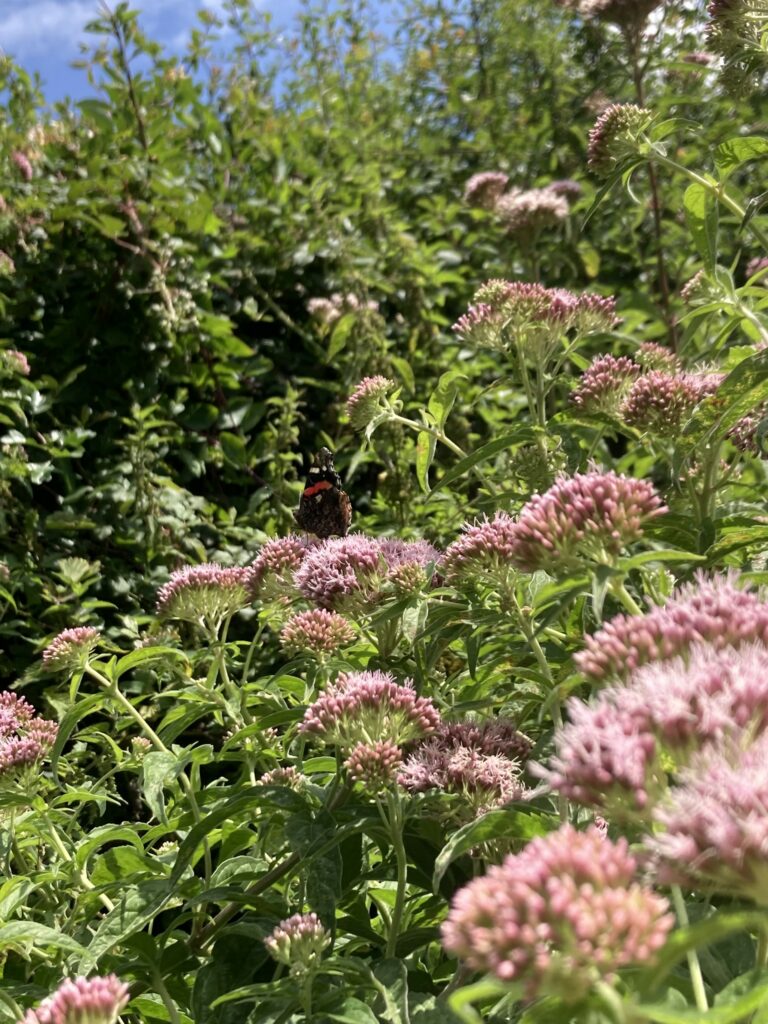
(615,136)
(374,764)
(15,362)
(483,549)
(526,213)
(715,822)
(273,569)
(748,433)
(22,164)
(562,915)
(485,189)
(652,356)
(758,265)
(590,517)
(205,594)
(317,632)
(25,737)
(366,400)
(660,403)
(298,942)
(290,777)
(481,326)
(82,1001)
(342,572)
(70,649)
(323,310)
(366,707)
(566,187)
(713,609)
(605,384)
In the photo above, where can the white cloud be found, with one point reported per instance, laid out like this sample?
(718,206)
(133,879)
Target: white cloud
(43,26)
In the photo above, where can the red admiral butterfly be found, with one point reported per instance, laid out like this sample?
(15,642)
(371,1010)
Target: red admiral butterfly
(324,507)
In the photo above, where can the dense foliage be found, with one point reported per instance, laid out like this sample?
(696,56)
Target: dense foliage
(500,753)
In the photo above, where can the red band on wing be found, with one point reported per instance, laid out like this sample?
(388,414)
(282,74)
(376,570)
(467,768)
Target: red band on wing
(324,485)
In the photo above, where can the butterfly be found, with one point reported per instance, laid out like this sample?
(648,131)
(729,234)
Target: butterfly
(324,507)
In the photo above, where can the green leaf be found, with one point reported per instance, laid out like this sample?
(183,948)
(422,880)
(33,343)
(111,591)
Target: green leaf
(425,453)
(442,398)
(482,454)
(159,767)
(702,218)
(29,934)
(233,447)
(140,905)
(460,1002)
(352,1011)
(505,822)
(393,976)
(82,708)
(144,655)
(735,152)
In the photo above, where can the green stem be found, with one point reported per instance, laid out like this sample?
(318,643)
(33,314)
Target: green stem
(697,979)
(165,995)
(715,189)
(620,592)
(112,689)
(395,818)
(65,855)
(443,438)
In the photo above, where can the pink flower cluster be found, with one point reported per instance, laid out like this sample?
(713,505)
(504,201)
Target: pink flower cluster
(14,362)
(615,136)
(272,571)
(525,213)
(562,915)
(748,433)
(506,315)
(70,649)
(298,942)
(369,708)
(366,401)
(650,394)
(328,310)
(589,517)
(354,572)
(22,164)
(82,1001)
(317,632)
(205,594)
(480,762)
(485,189)
(25,737)
(712,609)
(484,548)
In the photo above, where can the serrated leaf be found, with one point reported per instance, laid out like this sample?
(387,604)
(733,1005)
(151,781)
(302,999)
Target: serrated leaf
(735,152)
(442,398)
(425,453)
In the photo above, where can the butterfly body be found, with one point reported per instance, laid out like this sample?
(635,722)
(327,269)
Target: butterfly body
(324,507)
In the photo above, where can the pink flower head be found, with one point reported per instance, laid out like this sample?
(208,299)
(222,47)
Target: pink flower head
(15,362)
(652,356)
(594,313)
(70,649)
(712,609)
(748,433)
(484,549)
(374,764)
(205,594)
(366,401)
(615,136)
(410,563)
(25,738)
(324,310)
(524,214)
(607,758)
(288,777)
(298,942)
(366,707)
(485,189)
(590,517)
(318,632)
(660,403)
(82,1001)
(481,326)
(605,385)
(277,561)
(21,162)
(736,33)
(715,821)
(758,265)
(342,572)
(479,762)
(566,187)
(562,915)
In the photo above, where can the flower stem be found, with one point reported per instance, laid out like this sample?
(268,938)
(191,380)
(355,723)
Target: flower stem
(443,438)
(65,855)
(395,818)
(697,979)
(620,592)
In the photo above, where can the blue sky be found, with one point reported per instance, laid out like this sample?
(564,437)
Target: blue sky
(43,35)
